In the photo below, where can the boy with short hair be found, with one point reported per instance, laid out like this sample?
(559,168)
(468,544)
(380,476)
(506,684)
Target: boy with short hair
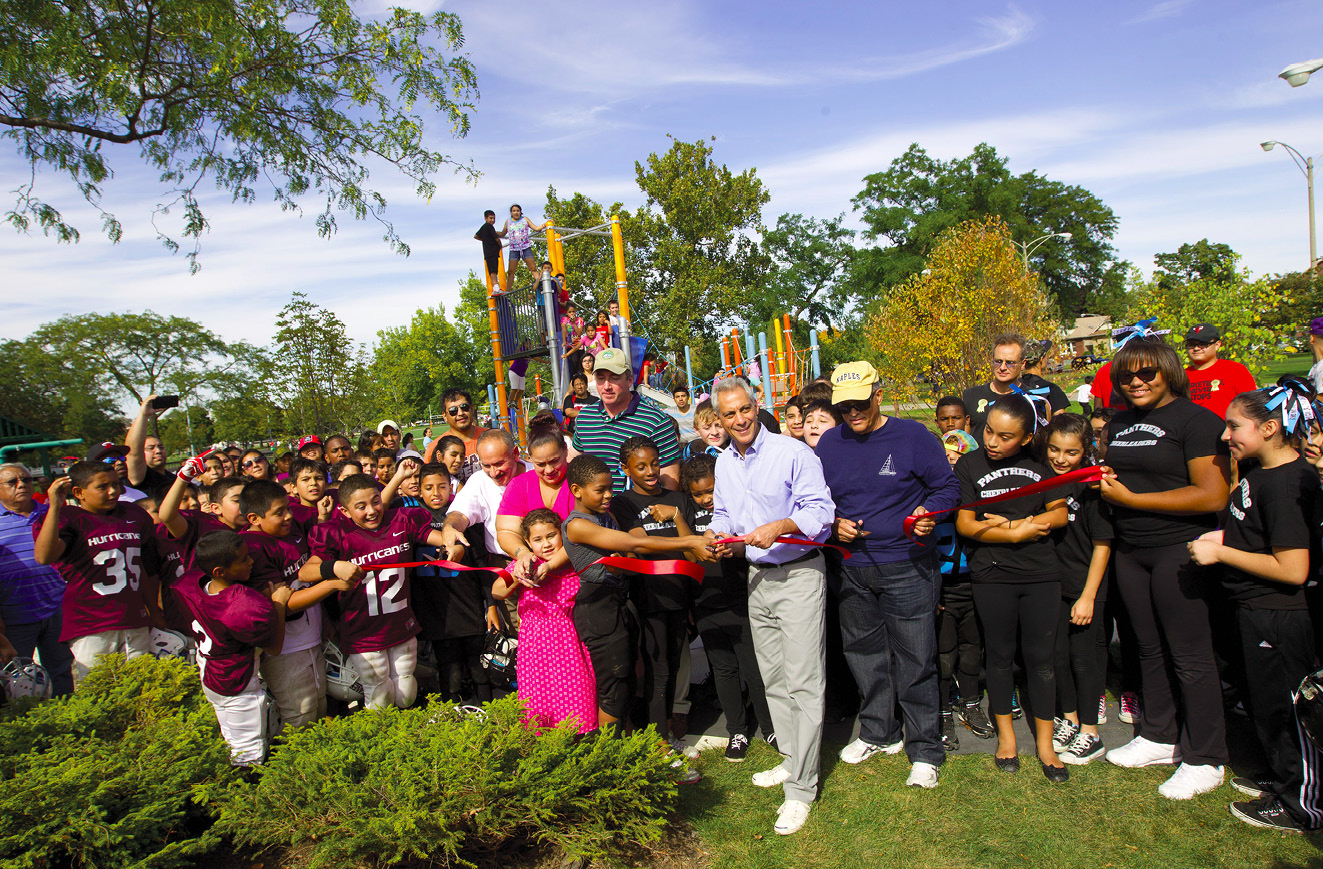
(491,247)
(383,464)
(105,550)
(952,415)
(231,621)
(340,470)
(378,627)
(297,675)
(712,436)
(314,503)
(220,511)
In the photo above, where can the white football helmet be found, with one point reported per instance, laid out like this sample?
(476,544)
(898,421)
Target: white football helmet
(24,677)
(172,644)
(342,680)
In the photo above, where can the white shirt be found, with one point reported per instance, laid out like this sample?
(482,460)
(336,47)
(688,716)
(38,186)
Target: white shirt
(478,502)
(1316,376)
(1083,393)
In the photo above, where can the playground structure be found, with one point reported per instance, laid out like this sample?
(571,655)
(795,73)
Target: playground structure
(525,323)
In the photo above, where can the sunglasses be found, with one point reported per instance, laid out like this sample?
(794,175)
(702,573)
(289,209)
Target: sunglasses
(846,407)
(1198,345)
(1005,363)
(1145,374)
(252,463)
(458,409)
(110,460)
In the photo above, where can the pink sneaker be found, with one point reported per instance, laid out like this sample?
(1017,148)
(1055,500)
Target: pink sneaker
(1102,709)
(1129,713)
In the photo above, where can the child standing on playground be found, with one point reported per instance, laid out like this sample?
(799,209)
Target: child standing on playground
(519,230)
(647,509)
(553,671)
(601,334)
(1084,547)
(491,249)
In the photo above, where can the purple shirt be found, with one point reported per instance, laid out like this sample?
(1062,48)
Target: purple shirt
(524,495)
(227,626)
(29,592)
(102,565)
(376,613)
(277,560)
(777,478)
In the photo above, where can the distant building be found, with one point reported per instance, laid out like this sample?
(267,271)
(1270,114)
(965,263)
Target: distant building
(1092,334)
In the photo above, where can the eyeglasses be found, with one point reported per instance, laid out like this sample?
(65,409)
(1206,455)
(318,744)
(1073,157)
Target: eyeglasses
(458,409)
(847,407)
(1145,374)
(15,482)
(1198,345)
(1005,363)
(252,463)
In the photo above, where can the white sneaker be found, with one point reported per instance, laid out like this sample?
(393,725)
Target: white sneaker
(1191,780)
(922,775)
(770,778)
(1144,752)
(860,751)
(791,817)
(679,746)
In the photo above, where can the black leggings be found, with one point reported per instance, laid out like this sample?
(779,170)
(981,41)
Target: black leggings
(729,647)
(959,644)
(1164,595)
(1080,668)
(1034,608)
(459,660)
(665,634)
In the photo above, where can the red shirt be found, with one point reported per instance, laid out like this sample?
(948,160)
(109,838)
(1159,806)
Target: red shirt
(1101,387)
(1216,385)
(102,566)
(376,614)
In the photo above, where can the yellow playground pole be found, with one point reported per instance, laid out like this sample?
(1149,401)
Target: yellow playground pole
(495,325)
(618,246)
(555,251)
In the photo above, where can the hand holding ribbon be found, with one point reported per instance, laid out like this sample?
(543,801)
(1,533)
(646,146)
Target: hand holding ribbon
(1090,474)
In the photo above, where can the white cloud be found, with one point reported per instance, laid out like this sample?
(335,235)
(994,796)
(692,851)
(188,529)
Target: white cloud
(1159,11)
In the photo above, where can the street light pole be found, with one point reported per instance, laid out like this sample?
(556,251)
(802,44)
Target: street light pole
(1298,73)
(1027,248)
(1306,165)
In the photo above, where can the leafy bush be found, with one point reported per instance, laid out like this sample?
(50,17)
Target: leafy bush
(115,775)
(425,784)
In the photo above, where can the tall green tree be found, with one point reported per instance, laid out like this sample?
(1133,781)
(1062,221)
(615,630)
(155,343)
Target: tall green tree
(322,380)
(702,266)
(918,197)
(413,365)
(301,93)
(809,278)
(63,401)
(1201,261)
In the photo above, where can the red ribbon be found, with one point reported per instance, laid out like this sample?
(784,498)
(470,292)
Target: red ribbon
(448,565)
(797,541)
(633,565)
(1082,475)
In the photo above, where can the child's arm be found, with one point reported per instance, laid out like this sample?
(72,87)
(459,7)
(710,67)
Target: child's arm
(402,473)
(279,597)
(501,590)
(311,571)
(304,598)
(168,509)
(995,529)
(1288,566)
(610,540)
(1081,612)
(48,547)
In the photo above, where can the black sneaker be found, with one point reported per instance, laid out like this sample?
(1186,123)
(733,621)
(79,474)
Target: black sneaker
(950,739)
(972,716)
(1268,813)
(1083,749)
(1064,732)
(737,748)
(1252,787)
(1016,712)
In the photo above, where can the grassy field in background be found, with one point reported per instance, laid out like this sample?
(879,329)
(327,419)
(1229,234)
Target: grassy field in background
(977,817)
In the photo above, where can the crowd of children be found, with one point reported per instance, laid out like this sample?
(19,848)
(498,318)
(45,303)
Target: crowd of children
(262,563)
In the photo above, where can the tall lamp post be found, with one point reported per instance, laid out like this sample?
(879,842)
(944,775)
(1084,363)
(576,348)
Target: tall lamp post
(1027,248)
(1306,165)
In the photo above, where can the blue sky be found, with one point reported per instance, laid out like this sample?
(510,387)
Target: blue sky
(1157,107)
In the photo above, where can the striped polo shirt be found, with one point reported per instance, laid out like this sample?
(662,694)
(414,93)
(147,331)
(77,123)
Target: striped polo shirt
(601,435)
(29,592)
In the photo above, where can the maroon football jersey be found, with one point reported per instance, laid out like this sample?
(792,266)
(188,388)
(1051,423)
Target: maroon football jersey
(199,525)
(278,559)
(104,558)
(376,613)
(228,627)
(305,518)
(171,554)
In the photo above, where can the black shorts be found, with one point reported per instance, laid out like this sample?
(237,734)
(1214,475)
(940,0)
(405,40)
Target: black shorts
(609,631)
(493,263)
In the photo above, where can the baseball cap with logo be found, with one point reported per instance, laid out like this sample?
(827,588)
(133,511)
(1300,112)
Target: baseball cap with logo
(1206,332)
(612,360)
(308,441)
(103,451)
(852,381)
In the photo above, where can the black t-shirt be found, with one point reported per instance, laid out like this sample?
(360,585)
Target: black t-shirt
(152,480)
(491,242)
(1035,385)
(583,556)
(1149,449)
(1031,560)
(1270,508)
(570,401)
(630,510)
(725,581)
(978,400)
(768,421)
(1090,520)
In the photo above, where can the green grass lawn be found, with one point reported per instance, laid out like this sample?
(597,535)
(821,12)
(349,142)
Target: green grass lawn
(977,817)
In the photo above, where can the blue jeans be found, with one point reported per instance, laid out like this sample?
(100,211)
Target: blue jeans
(890,640)
(44,636)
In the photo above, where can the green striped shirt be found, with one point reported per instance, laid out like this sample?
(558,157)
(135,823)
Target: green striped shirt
(600,435)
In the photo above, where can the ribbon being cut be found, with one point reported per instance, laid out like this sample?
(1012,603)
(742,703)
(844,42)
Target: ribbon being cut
(1083,475)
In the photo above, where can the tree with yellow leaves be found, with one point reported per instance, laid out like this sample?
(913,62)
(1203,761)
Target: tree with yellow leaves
(935,329)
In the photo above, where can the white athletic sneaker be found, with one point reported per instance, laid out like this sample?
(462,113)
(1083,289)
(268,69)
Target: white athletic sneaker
(770,778)
(1143,752)
(791,817)
(1190,781)
(922,775)
(860,751)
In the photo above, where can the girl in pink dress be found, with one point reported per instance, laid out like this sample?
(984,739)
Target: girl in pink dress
(554,674)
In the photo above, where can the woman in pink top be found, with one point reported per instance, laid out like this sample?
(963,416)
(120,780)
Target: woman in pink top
(542,487)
